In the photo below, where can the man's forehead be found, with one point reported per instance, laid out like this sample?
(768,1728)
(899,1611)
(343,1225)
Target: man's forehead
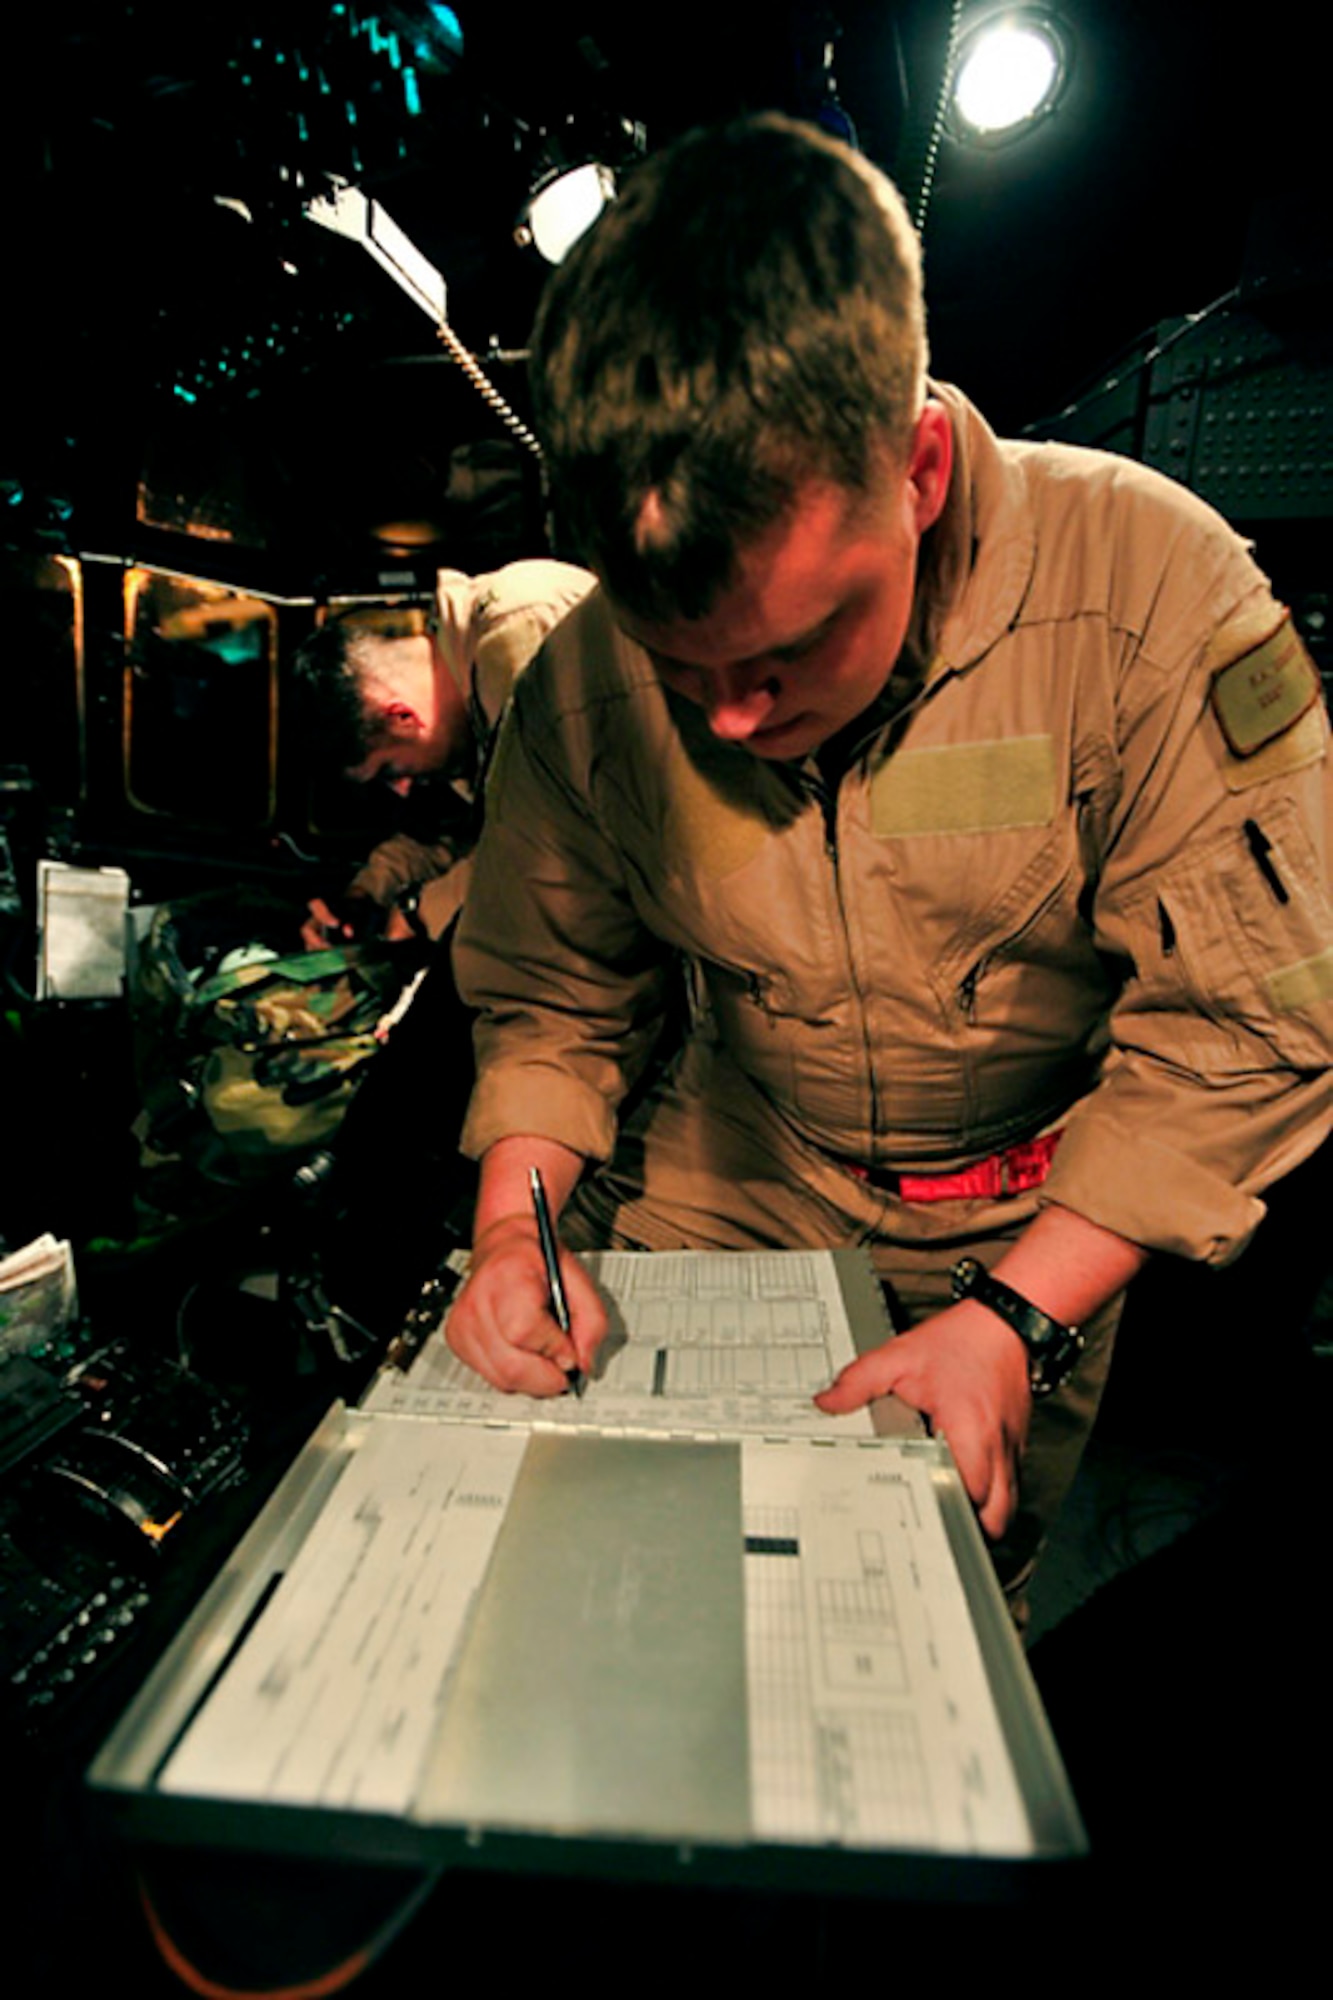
(787,580)
(375,652)
(385,667)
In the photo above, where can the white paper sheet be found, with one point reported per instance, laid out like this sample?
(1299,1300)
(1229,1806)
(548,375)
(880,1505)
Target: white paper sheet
(335,1696)
(81,950)
(871,1719)
(698,1343)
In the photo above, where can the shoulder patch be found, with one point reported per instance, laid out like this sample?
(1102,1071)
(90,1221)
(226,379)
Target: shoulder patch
(1301,746)
(1264,693)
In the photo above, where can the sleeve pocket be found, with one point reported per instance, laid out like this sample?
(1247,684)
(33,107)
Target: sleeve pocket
(1241,933)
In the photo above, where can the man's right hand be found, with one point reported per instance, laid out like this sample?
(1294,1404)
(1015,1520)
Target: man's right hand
(501,1322)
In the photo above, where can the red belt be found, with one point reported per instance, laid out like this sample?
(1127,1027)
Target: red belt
(1009,1172)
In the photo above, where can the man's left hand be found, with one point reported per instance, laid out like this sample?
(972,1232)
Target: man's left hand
(967,1372)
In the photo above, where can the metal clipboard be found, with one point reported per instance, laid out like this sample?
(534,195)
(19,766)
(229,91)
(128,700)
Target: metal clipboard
(610,1696)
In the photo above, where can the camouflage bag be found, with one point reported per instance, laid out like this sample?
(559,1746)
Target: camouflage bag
(247,1054)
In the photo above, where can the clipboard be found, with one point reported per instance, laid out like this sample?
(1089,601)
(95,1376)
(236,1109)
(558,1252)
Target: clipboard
(713,1647)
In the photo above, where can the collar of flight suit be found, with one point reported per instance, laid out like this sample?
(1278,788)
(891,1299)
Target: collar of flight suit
(489,627)
(978,559)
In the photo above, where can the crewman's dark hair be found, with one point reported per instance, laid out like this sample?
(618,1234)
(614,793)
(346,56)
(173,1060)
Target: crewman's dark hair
(745,317)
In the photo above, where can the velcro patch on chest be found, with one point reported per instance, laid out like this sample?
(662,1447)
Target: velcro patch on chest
(1264,693)
(965,788)
(1302,985)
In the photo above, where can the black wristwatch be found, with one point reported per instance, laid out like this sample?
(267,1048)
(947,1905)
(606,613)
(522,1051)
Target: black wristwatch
(1052,1348)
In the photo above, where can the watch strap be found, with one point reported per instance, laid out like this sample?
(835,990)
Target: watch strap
(1052,1347)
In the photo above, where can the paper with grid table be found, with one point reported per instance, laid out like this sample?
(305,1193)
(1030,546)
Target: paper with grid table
(686,1608)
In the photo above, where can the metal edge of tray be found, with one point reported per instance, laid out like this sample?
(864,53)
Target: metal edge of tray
(132,1754)
(1057,1827)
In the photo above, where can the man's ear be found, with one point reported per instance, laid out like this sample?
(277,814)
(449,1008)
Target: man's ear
(930,464)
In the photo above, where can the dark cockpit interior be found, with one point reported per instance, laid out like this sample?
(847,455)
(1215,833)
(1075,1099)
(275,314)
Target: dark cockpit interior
(271,272)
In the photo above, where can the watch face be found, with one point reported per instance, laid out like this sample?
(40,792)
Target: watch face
(963,1276)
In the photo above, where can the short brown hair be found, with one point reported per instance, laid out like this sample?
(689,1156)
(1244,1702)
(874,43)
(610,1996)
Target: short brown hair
(746,316)
(331,670)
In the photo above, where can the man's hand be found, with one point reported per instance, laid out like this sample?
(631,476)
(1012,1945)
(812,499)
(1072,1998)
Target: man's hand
(354,917)
(320,926)
(501,1322)
(967,1372)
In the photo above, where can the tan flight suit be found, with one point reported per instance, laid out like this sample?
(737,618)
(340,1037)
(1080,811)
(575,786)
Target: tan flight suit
(1079,879)
(487,629)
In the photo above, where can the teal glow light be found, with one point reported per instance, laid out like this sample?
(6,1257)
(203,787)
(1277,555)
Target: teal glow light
(1006,80)
(449,25)
(236,644)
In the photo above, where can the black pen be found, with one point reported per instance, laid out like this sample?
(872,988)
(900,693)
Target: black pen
(554,1282)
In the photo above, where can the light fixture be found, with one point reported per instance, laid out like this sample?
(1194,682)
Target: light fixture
(1009,73)
(348,212)
(572,174)
(562,205)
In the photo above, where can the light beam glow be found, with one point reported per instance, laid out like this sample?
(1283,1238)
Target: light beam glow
(1007,77)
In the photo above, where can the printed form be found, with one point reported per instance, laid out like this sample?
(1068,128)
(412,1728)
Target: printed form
(335,1696)
(697,1341)
(872,1722)
(869,1716)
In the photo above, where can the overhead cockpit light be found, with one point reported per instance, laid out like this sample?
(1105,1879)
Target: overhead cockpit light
(562,207)
(571,173)
(1010,72)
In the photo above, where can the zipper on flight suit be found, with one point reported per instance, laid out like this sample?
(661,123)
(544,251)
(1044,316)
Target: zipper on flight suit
(813,782)
(826,798)
(966,990)
(810,778)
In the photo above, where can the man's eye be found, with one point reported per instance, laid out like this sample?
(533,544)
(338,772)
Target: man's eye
(799,648)
(675,673)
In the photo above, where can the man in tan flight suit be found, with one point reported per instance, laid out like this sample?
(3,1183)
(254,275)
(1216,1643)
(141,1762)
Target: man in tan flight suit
(406,693)
(985,784)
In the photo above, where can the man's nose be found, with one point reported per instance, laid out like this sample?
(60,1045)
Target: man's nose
(739,702)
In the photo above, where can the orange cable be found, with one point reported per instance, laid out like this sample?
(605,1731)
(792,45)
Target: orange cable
(324,1983)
